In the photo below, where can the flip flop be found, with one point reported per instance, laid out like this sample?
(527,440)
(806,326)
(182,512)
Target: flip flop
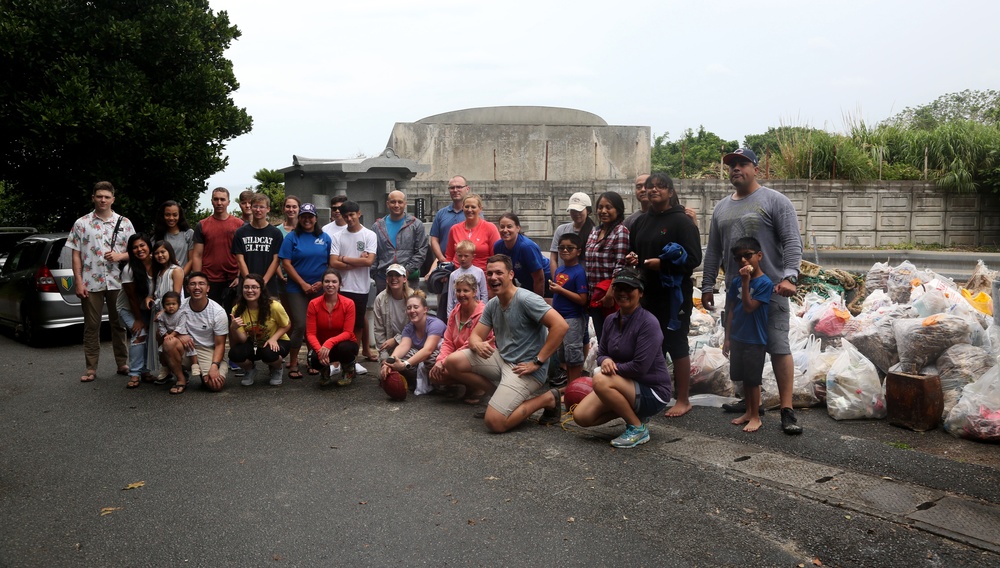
(123,370)
(312,371)
(178,388)
(133,382)
(89,376)
(295,374)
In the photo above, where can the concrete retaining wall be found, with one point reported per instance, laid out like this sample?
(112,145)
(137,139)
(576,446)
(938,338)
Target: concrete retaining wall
(838,213)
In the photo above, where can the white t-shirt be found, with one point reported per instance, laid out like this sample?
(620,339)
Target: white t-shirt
(351,245)
(205,325)
(333,230)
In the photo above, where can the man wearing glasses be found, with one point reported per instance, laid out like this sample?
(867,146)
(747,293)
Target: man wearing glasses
(448,216)
(754,210)
(337,222)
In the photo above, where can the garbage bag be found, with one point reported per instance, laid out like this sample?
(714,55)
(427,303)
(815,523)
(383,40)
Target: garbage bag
(710,372)
(853,389)
(980,301)
(877,277)
(920,341)
(958,366)
(977,414)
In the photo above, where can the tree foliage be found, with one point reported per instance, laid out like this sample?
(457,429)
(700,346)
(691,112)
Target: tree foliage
(272,184)
(136,93)
(693,155)
(975,106)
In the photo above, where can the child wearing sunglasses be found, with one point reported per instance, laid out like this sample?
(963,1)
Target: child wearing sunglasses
(746,327)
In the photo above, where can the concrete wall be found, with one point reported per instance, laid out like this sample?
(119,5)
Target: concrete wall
(840,214)
(505,152)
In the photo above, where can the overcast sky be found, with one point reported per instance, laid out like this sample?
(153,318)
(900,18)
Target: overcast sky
(329,79)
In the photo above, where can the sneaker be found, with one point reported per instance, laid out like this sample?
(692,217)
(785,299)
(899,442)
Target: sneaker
(164,379)
(559,379)
(195,370)
(552,415)
(789,425)
(236,369)
(346,379)
(360,369)
(632,437)
(335,369)
(248,378)
(276,375)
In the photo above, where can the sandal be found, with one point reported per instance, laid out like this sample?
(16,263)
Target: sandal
(89,376)
(123,370)
(371,357)
(313,371)
(133,382)
(178,388)
(474,399)
(295,374)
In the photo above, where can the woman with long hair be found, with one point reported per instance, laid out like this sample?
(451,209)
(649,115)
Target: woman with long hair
(258,331)
(305,256)
(579,210)
(481,232)
(461,322)
(169,277)
(530,268)
(606,248)
(171,226)
(137,284)
(330,332)
(418,349)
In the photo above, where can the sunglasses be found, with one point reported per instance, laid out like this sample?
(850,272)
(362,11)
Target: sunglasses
(566,248)
(747,255)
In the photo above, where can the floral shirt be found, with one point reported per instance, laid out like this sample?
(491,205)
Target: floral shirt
(91,235)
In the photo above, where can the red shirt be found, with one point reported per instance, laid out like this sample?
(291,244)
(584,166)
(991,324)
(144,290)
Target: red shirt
(326,328)
(483,235)
(217,260)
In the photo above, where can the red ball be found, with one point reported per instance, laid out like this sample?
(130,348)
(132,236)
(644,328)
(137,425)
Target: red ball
(578,389)
(394,385)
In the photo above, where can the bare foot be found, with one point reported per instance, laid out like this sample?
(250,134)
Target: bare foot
(752,425)
(679,409)
(742,419)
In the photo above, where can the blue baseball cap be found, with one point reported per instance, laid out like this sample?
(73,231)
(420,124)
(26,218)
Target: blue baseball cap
(745,153)
(307,209)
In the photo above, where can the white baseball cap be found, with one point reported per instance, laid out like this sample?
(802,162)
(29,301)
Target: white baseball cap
(578,202)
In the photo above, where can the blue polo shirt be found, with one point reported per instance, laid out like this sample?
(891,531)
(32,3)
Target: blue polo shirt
(444,220)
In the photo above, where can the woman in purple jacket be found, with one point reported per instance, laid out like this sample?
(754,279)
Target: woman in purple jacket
(633,383)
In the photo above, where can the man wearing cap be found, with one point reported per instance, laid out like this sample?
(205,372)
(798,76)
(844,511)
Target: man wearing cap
(212,252)
(528,332)
(640,196)
(581,224)
(754,210)
(448,216)
(401,240)
(353,253)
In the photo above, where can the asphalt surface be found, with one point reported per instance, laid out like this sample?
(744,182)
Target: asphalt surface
(303,476)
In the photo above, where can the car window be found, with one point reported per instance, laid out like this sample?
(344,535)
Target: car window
(60,257)
(24,257)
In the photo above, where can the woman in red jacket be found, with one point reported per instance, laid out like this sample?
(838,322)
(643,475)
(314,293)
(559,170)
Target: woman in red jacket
(330,332)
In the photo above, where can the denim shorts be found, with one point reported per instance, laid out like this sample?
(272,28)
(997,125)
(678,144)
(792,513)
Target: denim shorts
(646,403)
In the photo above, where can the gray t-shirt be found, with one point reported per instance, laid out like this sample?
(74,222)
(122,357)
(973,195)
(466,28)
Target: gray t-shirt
(181,243)
(518,328)
(766,215)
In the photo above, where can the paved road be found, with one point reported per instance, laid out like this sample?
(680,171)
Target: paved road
(302,476)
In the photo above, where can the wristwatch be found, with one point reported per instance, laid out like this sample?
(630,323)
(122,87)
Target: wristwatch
(793,279)
(537,361)
(407,364)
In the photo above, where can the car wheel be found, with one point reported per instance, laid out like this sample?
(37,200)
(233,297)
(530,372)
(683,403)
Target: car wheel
(26,330)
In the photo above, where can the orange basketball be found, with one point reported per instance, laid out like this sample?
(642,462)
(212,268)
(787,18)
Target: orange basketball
(394,385)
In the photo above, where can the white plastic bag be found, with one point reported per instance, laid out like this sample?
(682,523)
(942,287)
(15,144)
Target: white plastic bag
(921,341)
(710,372)
(977,414)
(853,389)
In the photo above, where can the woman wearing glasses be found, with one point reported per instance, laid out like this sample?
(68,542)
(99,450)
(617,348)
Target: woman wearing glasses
(258,331)
(666,247)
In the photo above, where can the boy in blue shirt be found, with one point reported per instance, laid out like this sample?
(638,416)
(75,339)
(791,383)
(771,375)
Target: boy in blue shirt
(746,327)
(569,298)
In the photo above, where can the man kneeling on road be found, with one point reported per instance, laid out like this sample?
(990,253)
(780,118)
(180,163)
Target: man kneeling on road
(528,331)
(202,332)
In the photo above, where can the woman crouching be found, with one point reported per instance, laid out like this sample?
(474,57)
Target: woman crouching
(258,331)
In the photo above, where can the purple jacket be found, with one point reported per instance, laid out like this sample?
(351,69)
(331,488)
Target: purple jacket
(636,349)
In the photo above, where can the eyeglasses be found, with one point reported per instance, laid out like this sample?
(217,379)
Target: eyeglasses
(456,186)
(747,255)
(566,248)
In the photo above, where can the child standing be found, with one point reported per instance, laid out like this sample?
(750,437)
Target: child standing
(465,252)
(168,321)
(746,327)
(569,298)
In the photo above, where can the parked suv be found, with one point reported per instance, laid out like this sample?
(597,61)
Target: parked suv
(37,291)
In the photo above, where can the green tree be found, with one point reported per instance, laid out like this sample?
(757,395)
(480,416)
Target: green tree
(272,184)
(694,155)
(137,93)
(968,105)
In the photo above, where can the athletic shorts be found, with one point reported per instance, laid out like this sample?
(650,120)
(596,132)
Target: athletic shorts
(746,362)
(512,389)
(646,402)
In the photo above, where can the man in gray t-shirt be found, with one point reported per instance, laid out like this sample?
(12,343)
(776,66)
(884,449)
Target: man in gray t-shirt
(757,211)
(528,331)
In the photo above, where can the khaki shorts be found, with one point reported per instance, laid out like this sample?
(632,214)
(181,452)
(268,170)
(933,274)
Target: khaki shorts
(205,355)
(512,389)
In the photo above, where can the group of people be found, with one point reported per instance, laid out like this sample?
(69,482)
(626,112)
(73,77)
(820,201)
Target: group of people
(507,318)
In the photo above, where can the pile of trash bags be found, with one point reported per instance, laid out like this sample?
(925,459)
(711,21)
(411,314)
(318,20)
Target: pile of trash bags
(896,319)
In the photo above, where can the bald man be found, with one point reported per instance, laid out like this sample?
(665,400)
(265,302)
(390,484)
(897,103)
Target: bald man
(401,240)
(640,195)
